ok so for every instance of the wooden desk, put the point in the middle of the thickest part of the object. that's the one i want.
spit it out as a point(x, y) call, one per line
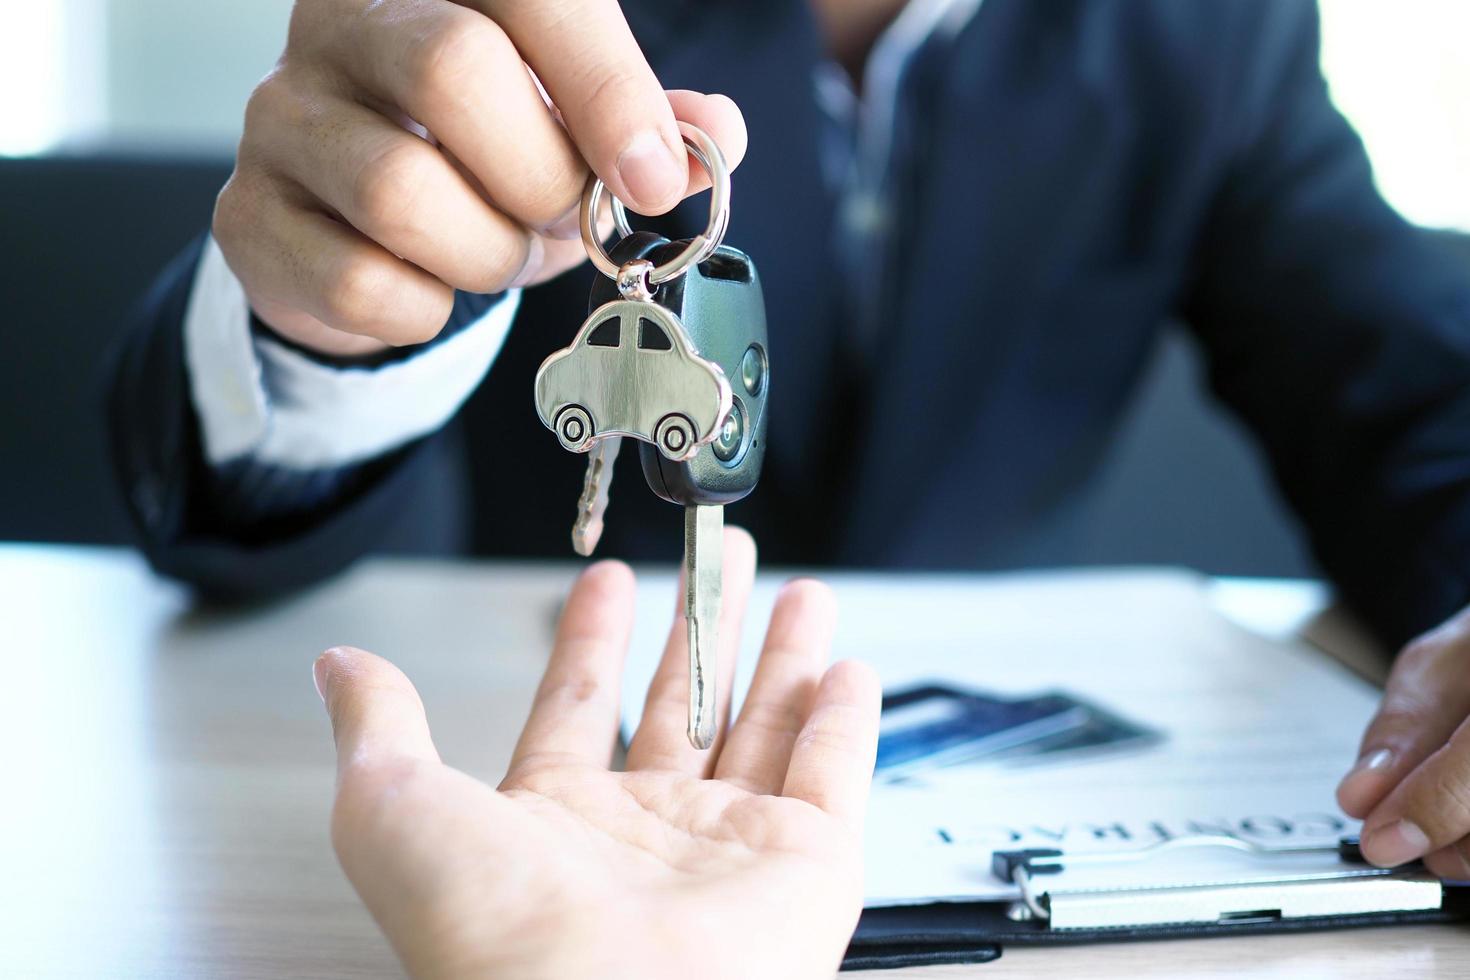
point(170, 773)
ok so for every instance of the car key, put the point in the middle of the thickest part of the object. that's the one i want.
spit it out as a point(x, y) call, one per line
point(720, 305)
point(592, 505)
point(654, 360)
point(704, 558)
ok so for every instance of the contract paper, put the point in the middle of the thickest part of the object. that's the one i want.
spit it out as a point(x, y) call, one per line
point(1256, 732)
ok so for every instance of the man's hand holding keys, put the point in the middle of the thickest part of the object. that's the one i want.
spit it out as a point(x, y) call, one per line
point(742, 861)
point(402, 149)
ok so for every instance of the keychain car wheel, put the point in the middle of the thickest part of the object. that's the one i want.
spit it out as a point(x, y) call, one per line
point(675, 437)
point(574, 429)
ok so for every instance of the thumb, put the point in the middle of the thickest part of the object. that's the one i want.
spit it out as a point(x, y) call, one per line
point(376, 714)
point(1428, 811)
point(1426, 698)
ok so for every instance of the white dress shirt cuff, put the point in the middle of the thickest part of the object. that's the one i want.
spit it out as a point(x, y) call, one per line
point(258, 398)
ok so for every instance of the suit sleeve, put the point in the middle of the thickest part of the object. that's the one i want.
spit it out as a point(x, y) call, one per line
point(247, 511)
point(1341, 335)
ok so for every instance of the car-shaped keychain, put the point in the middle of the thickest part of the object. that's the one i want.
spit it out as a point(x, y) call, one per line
point(631, 371)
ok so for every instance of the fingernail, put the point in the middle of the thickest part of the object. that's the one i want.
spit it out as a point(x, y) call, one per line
point(1371, 763)
point(535, 256)
point(319, 677)
point(568, 226)
point(1375, 761)
point(1396, 844)
point(649, 171)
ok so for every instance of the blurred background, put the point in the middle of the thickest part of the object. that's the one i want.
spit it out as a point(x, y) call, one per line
point(118, 119)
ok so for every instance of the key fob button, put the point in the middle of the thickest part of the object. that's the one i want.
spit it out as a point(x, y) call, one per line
point(753, 370)
point(731, 440)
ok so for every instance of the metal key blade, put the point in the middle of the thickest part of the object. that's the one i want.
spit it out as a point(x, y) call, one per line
point(592, 505)
point(704, 530)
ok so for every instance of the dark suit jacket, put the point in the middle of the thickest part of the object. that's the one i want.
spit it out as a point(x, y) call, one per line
point(1082, 172)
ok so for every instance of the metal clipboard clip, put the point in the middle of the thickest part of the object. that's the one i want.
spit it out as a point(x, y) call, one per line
point(1357, 889)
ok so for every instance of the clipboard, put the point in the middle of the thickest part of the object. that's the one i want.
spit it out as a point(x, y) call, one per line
point(1224, 825)
point(1355, 895)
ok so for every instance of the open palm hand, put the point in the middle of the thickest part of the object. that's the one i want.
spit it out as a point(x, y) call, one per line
point(741, 861)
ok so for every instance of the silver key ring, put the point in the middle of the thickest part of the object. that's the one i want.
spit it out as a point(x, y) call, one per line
point(699, 248)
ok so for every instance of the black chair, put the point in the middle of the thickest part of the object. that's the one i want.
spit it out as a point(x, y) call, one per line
point(82, 239)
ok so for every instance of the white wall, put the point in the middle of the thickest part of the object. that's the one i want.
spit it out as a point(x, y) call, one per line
point(157, 74)
point(52, 73)
point(174, 75)
point(179, 71)
point(1400, 71)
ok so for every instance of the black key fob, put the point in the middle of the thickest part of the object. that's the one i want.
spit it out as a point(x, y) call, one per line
point(720, 304)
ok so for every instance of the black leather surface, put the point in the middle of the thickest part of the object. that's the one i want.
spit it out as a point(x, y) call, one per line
point(977, 932)
point(893, 956)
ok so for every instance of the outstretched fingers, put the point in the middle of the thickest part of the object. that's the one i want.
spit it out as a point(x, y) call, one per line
point(832, 759)
point(797, 645)
point(574, 716)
